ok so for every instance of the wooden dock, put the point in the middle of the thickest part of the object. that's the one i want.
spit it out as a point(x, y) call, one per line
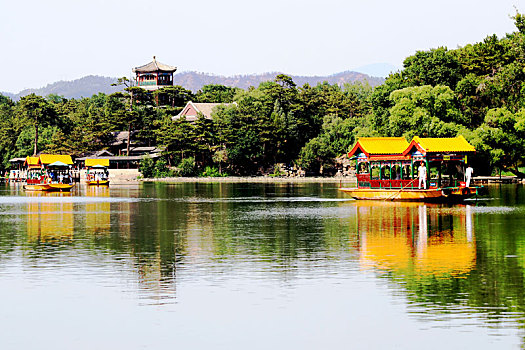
point(485, 180)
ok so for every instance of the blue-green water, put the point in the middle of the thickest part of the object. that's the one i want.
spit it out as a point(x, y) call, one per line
point(258, 266)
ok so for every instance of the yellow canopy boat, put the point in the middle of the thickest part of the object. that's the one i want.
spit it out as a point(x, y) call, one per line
point(97, 172)
point(49, 172)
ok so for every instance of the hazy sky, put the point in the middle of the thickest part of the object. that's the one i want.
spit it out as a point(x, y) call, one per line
point(43, 42)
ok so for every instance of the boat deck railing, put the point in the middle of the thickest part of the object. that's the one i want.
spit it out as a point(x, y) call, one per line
point(364, 181)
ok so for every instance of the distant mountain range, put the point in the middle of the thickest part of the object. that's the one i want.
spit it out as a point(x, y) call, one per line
point(92, 85)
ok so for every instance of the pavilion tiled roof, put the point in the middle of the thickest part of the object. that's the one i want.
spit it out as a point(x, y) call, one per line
point(154, 66)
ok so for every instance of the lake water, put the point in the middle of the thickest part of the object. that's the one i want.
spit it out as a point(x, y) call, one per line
point(258, 266)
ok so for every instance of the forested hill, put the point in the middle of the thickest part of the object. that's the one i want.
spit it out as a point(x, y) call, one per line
point(92, 85)
point(83, 87)
point(194, 81)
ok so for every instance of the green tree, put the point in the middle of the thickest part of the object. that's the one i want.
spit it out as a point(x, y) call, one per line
point(9, 130)
point(174, 96)
point(484, 58)
point(503, 134)
point(127, 117)
point(177, 138)
point(434, 67)
point(335, 139)
point(24, 142)
point(216, 93)
point(380, 103)
point(35, 111)
point(147, 167)
point(424, 111)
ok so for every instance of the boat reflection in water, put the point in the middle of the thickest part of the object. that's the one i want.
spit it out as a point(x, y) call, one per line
point(49, 217)
point(416, 240)
point(98, 213)
point(108, 230)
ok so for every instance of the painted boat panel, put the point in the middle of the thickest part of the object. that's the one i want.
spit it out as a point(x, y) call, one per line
point(61, 187)
point(98, 183)
point(394, 194)
point(49, 187)
point(455, 194)
point(36, 187)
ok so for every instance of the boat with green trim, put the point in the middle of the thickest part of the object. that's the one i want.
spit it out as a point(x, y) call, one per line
point(387, 169)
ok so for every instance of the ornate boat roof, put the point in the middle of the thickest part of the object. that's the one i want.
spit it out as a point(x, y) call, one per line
point(380, 146)
point(51, 158)
point(32, 161)
point(397, 148)
point(97, 162)
point(440, 145)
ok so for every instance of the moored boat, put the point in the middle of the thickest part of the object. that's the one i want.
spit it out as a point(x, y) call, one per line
point(386, 169)
point(49, 173)
point(97, 172)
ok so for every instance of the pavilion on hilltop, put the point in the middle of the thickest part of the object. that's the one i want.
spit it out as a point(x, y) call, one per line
point(154, 75)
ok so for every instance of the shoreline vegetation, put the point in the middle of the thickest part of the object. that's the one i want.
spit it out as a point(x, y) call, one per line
point(253, 179)
point(278, 128)
point(345, 180)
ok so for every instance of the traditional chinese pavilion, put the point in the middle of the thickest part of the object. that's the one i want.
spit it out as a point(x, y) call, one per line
point(154, 75)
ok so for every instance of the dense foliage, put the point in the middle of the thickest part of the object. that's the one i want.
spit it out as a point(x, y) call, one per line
point(477, 91)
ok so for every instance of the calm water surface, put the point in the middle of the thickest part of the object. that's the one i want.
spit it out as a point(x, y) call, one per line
point(258, 266)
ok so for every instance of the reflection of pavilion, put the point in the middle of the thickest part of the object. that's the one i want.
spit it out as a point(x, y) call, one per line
point(398, 237)
point(48, 221)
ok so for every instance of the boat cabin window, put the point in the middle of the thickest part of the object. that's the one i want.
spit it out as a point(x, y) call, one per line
point(407, 171)
point(362, 168)
point(375, 170)
point(385, 171)
point(396, 171)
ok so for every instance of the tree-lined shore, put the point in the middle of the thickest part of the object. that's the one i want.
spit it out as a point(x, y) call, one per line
point(477, 91)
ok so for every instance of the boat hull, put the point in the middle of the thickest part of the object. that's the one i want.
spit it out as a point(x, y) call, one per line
point(411, 195)
point(98, 183)
point(49, 187)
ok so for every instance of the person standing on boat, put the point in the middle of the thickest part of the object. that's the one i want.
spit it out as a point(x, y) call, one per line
point(468, 174)
point(422, 174)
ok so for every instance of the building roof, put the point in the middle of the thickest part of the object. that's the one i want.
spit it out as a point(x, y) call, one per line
point(192, 110)
point(103, 152)
point(151, 149)
point(121, 138)
point(440, 145)
point(51, 158)
point(379, 145)
point(98, 161)
point(154, 66)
